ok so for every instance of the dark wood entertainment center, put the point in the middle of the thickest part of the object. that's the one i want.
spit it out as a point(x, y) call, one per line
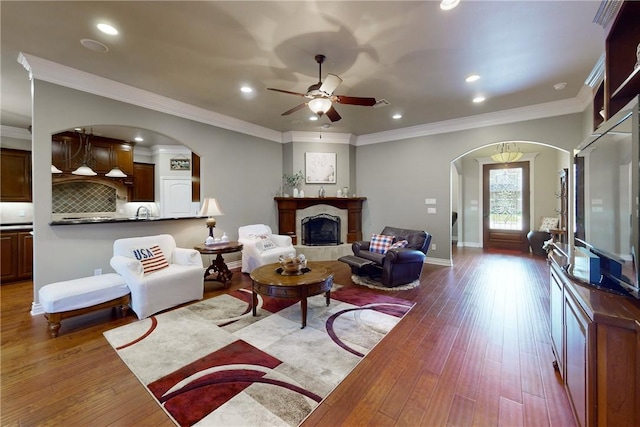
point(595, 334)
point(287, 207)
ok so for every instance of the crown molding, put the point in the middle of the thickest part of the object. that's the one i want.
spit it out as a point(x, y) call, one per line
point(14, 132)
point(325, 138)
point(62, 75)
point(42, 69)
point(532, 112)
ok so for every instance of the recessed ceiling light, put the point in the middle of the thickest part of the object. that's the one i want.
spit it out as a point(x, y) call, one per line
point(313, 118)
point(472, 78)
point(94, 45)
point(448, 4)
point(478, 99)
point(138, 139)
point(396, 116)
point(246, 89)
point(560, 86)
point(107, 29)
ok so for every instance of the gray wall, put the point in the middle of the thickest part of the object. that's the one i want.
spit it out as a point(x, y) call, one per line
point(397, 176)
point(243, 184)
point(244, 173)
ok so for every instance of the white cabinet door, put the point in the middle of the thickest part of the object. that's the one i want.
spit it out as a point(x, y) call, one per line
point(175, 199)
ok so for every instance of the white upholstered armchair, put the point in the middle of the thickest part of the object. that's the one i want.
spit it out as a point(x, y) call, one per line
point(261, 246)
point(159, 274)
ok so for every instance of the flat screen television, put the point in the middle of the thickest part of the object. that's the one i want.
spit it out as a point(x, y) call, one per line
point(607, 240)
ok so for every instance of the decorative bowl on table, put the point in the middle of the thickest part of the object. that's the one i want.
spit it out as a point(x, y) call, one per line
point(291, 265)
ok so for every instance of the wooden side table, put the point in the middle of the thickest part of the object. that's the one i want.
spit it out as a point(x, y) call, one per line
point(218, 267)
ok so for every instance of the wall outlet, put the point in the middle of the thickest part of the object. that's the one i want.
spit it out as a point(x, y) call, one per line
point(431, 210)
point(429, 201)
point(433, 246)
point(97, 272)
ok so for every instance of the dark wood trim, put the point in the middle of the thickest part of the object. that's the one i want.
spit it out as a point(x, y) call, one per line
point(287, 207)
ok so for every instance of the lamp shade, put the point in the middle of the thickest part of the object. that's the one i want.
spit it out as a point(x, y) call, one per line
point(84, 170)
point(54, 169)
point(210, 207)
point(319, 105)
point(116, 173)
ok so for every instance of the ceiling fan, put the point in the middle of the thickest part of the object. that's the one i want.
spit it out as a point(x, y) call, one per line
point(321, 97)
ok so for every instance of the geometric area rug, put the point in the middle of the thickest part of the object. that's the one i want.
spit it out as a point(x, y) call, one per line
point(213, 364)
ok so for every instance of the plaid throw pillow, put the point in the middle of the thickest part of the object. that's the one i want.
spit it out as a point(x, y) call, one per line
point(152, 259)
point(399, 244)
point(380, 243)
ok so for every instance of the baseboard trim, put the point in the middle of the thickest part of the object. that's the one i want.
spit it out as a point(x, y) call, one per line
point(36, 309)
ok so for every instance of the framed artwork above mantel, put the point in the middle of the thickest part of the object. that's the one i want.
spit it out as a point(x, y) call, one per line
point(320, 168)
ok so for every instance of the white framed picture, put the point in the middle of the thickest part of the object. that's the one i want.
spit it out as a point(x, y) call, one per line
point(320, 168)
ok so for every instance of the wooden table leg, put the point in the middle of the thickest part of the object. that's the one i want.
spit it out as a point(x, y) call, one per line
point(328, 297)
point(254, 300)
point(220, 267)
point(303, 305)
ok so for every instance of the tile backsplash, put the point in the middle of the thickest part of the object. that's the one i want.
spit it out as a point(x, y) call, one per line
point(83, 197)
point(87, 197)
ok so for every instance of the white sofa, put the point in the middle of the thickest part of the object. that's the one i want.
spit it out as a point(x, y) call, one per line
point(257, 250)
point(180, 282)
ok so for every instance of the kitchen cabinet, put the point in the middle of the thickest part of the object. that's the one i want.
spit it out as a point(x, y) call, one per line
point(16, 255)
point(143, 189)
point(15, 175)
point(67, 154)
point(596, 339)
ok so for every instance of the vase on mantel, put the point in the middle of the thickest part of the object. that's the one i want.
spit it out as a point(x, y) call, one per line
point(295, 192)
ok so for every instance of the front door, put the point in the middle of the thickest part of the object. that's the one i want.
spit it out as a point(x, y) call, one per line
point(506, 206)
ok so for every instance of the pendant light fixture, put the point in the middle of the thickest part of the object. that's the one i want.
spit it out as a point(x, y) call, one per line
point(507, 153)
point(116, 172)
point(84, 169)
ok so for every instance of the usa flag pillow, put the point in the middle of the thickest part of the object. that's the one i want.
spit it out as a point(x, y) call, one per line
point(152, 259)
point(380, 243)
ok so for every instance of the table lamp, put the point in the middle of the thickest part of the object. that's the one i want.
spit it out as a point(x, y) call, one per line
point(210, 208)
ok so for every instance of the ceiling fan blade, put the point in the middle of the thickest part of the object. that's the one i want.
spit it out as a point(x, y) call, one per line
point(330, 84)
point(286, 91)
point(294, 109)
point(333, 114)
point(355, 100)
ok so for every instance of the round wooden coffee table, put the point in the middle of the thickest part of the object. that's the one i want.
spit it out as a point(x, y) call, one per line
point(268, 281)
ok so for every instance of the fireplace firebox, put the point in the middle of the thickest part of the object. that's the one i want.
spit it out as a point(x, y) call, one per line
point(321, 230)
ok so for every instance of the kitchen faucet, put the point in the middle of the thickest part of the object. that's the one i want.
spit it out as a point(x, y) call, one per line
point(145, 212)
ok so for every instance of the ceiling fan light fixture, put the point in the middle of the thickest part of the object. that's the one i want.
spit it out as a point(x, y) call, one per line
point(319, 105)
point(313, 118)
point(448, 4)
point(54, 169)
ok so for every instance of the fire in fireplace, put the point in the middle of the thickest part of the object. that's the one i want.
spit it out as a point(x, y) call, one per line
point(321, 230)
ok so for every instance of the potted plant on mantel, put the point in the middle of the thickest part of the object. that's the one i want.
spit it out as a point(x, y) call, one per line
point(294, 181)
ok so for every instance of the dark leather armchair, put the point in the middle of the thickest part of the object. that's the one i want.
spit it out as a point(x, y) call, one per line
point(397, 266)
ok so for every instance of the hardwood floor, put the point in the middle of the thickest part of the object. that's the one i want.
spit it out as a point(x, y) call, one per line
point(475, 350)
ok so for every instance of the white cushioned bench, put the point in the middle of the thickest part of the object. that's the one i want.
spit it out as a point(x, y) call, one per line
point(62, 300)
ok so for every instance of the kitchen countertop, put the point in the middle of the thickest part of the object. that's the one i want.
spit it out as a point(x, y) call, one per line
point(105, 220)
point(16, 226)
